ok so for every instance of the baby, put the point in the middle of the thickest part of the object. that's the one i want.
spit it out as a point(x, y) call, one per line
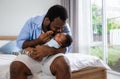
point(59, 40)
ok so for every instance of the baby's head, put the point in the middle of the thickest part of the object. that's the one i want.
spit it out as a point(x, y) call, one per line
point(63, 39)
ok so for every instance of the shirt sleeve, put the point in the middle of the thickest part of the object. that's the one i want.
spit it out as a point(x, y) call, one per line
point(67, 29)
point(24, 33)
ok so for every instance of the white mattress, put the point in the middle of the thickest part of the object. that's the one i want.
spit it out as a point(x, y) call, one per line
point(77, 62)
point(5, 61)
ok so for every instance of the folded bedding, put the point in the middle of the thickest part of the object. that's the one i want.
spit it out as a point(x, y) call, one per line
point(79, 61)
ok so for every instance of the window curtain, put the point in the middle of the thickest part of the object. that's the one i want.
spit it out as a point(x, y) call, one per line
point(79, 21)
point(66, 4)
point(71, 6)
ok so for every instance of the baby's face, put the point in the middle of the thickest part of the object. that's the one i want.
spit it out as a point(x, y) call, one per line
point(60, 37)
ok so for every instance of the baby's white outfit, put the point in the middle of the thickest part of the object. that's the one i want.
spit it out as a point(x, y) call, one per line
point(52, 43)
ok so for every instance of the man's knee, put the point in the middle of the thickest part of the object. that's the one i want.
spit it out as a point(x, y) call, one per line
point(60, 64)
point(17, 67)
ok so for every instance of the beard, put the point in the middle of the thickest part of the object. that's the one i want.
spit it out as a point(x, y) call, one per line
point(48, 29)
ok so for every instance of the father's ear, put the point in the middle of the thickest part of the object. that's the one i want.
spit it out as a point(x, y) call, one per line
point(46, 21)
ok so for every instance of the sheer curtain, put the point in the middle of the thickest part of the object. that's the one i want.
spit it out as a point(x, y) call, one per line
point(79, 20)
point(74, 24)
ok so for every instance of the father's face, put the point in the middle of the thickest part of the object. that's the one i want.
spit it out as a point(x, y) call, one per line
point(57, 25)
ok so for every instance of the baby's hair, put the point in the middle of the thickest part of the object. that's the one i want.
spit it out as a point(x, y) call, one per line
point(68, 40)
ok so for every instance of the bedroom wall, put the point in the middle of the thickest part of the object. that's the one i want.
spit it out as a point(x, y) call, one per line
point(14, 13)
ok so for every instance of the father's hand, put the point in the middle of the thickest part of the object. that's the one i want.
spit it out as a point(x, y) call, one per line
point(38, 53)
point(45, 37)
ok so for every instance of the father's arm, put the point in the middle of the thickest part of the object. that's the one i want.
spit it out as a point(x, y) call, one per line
point(41, 51)
point(50, 50)
point(43, 38)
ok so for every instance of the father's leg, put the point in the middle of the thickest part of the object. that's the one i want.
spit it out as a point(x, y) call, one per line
point(60, 68)
point(18, 70)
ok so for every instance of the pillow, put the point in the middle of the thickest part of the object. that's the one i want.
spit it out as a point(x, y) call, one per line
point(9, 48)
point(79, 61)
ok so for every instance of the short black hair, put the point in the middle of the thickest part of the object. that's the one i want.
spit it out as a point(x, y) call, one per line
point(57, 11)
point(68, 41)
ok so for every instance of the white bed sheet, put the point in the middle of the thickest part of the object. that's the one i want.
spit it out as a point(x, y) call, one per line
point(77, 62)
point(5, 60)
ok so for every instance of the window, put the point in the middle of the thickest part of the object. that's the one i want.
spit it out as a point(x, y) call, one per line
point(105, 33)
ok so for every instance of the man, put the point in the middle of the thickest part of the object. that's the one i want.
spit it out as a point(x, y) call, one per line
point(33, 35)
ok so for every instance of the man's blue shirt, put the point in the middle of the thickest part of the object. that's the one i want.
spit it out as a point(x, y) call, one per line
point(32, 30)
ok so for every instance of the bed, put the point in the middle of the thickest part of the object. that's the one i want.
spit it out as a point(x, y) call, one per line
point(82, 66)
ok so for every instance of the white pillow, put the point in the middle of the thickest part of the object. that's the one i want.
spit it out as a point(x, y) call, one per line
point(79, 61)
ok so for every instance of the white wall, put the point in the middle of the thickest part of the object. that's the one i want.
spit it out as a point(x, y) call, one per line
point(14, 13)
